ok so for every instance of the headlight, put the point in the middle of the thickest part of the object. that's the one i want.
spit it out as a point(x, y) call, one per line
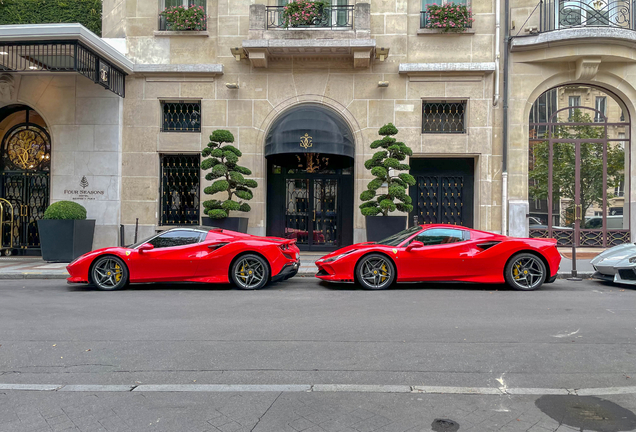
point(332, 259)
point(632, 260)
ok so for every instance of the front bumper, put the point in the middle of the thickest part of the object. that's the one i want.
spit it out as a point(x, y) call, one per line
point(289, 270)
point(626, 276)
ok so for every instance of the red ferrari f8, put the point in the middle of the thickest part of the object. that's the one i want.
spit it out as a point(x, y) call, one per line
point(198, 254)
point(444, 253)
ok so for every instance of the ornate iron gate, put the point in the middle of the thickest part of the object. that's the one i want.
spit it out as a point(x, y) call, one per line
point(26, 159)
point(573, 165)
point(180, 180)
point(439, 199)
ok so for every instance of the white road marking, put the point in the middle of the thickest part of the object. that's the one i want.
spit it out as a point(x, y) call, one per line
point(331, 388)
point(566, 334)
point(358, 388)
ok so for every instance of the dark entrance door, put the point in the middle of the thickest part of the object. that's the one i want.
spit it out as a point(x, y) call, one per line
point(443, 192)
point(24, 182)
point(310, 201)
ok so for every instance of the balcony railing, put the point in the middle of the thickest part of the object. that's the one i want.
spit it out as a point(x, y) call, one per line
point(425, 19)
point(335, 17)
point(562, 14)
point(164, 26)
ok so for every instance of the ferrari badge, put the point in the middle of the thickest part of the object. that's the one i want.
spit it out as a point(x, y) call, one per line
point(127, 253)
point(395, 251)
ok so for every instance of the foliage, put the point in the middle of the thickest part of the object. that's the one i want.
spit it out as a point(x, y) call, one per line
point(303, 12)
point(564, 165)
point(179, 18)
point(449, 17)
point(86, 12)
point(222, 161)
point(384, 165)
point(65, 210)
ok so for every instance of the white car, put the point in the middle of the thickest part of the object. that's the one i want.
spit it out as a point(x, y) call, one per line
point(617, 264)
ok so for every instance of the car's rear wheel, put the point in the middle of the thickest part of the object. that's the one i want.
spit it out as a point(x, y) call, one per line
point(375, 271)
point(525, 272)
point(250, 272)
point(109, 273)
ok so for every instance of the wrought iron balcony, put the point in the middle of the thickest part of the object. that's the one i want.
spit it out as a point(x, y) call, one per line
point(425, 20)
point(334, 17)
point(564, 14)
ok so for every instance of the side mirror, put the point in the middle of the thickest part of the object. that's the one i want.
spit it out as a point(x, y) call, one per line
point(145, 247)
point(414, 245)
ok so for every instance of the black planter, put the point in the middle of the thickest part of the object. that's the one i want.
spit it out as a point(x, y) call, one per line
point(380, 227)
point(238, 224)
point(65, 240)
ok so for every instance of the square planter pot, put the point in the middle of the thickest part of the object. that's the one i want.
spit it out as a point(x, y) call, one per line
point(238, 224)
point(380, 227)
point(65, 240)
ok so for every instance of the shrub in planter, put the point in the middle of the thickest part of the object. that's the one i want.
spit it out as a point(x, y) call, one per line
point(449, 17)
point(303, 12)
point(179, 18)
point(222, 162)
point(384, 165)
point(65, 233)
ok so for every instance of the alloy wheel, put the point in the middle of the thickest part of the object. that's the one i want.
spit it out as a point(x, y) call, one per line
point(249, 273)
point(527, 272)
point(376, 272)
point(109, 274)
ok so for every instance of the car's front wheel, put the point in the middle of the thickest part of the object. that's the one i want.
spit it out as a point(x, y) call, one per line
point(109, 273)
point(375, 271)
point(525, 272)
point(250, 272)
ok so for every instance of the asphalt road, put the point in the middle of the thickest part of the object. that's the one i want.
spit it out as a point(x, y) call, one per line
point(447, 340)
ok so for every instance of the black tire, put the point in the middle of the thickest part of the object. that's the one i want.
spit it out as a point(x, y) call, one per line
point(109, 273)
point(250, 272)
point(525, 272)
point(375, 272)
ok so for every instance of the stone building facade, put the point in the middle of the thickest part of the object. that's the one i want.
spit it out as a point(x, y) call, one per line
point(366, 64)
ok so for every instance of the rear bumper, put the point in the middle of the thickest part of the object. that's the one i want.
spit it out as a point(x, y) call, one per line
point(289, 270)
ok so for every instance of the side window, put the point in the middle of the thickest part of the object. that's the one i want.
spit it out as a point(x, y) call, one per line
point(176, 238)
point(439, 236)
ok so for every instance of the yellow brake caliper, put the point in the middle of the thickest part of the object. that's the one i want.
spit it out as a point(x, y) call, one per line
point(117, 273)
point(515, 271)
point(243, 275)
point(384, 272)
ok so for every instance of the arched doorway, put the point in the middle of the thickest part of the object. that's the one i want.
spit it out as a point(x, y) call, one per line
point(25, 163)
point(310, 154)
point(578, 170)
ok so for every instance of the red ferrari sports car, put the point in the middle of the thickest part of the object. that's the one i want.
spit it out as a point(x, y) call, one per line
point(445, 253)
point(198, 254)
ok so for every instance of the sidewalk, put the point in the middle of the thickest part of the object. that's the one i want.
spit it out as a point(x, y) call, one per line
point(36, 268)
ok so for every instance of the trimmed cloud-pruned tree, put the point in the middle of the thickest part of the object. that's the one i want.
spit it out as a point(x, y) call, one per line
point(222, 161)
point(384, 165)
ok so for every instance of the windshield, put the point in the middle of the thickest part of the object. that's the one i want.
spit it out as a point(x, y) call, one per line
point(136, 245)
point(398, 238)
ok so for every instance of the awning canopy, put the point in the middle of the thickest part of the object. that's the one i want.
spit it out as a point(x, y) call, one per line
point(310, 129)
point(41, 48)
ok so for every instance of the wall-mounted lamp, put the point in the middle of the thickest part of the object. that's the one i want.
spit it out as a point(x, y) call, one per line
point(238, 53)
point(232, 85)
point(383, 83)
point(381, 53)
point(4, 53)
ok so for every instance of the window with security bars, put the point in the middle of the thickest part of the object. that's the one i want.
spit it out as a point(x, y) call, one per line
point(181, 116)
point(180, 184)
point(444, 117)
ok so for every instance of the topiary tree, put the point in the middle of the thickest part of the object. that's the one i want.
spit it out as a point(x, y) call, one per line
point(65, 210)
point(384, 166)
point(222, 161)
